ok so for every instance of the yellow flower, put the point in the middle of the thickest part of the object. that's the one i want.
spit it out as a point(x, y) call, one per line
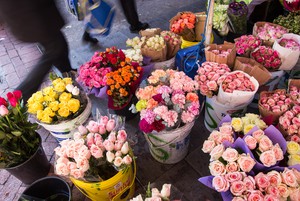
point(64, 112)
point(252, 117)
point(237, 124)
point(54, 106)
point(246, 120)
point(46, 119)
point(67, 80)
point(60, 87)
point(73, 105)
point(53, 94)
point(47, 90)
point(38, 97)
point(34, 107)
point(260, 123)
point(65, 97)
point(49, 112)
point(248, 127)
point(62, 104)
point(294, 160)
point(48, 98)
point(140, 105)
point(56, 81)
point(293, 147)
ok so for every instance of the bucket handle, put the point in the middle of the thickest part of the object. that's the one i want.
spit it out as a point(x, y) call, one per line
point(158, 139)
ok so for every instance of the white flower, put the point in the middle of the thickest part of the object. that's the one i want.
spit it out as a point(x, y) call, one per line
point(118, 161)
point(137, 198)
point(166, 190)
point(125, 148)
point(110, 156)
point(75, 91)
point(69, 87)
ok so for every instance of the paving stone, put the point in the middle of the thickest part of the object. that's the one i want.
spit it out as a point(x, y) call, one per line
point(12, 79)
point(31, 56)
point(4, 175)
point(9, 46)
point(19, 193)
point(22, 72)
point(8, 68)
point(9, 190)
point(3, 83)
point(12, 53)
point(17, 62)
point(4, 59)
point(49, 147)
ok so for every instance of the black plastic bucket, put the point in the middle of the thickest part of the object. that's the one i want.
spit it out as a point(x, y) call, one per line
point(47, 188)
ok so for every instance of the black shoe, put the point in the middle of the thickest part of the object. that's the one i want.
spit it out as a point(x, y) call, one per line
point(86, 37)
point(141, 26)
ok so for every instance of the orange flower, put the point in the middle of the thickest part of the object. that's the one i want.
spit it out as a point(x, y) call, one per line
point(192, 97)
point(109, 92)
point(127, 60)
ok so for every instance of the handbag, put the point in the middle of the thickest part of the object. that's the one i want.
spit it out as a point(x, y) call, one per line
point(100, 17)
point(189, 59)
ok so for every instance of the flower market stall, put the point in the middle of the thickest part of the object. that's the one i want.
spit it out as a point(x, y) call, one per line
point(169, 97)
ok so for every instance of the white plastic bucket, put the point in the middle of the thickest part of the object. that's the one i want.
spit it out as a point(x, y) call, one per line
point(271, 85)
point(215, 111)
point(170, 147)
point(65, 129)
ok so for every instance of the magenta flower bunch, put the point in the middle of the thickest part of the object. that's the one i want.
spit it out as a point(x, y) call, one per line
point(270, 32)
point(290, 43)
point(278, 101)
point(222, 53)
point(246, 43)
point(294, 94)
point(268, 57)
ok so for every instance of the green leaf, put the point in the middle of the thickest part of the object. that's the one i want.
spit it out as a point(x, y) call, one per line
point(16, 133)
point(2, 135)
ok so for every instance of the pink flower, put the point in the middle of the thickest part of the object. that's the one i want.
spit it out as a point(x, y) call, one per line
point(110, 125)
point(251, 142)
point(109, 145)
point(258, 134)
point(268, 158)
point(237, 188)
point(283, 190)
point(110, 156)
point(171, 118)
point(289, 178)
point(127, 160)
point(93, 127)
point(122, 135)
point(3, 110)
point(232, 167)
point(102, 129)
point(82, 130)
point(230, 155)
point(274, 178)
point(255, 195)
point(187, 117)
point(118, 145)
point(270, 197)
point(77, 173)
point(249, 183)
point(265, 144)
point(217, 152)
point(278, 152)
point(220, 184)
point(179, 99)
point(82, 164)
point(104, 120)
point(246, 163)
point(208, 145)
point(112, 137)
point(118, 161)
point(262, 180)
point(71, 166)
point(125, 148)
point(62, 169)
point(96, 151)
point(233, 176)
point(273, 190)
point(217, 168)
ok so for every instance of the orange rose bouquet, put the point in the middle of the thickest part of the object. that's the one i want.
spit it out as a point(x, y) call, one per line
point(122, 84)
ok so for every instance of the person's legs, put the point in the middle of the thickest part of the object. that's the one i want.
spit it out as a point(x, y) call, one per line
point(56, 52)
point(130, 12)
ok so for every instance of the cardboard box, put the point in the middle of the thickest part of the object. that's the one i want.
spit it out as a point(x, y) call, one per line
point(200, 24)
point(229, 60)
point(258, 71)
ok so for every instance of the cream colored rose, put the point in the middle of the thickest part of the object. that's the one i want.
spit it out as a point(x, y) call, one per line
point(293, 160)
point(217, 152)
point(230, 155)
point(293, 147)
point(208, 146)
point(268, 158)
point(237, 124)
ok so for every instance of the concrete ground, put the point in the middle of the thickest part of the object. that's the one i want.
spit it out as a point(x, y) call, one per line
point(16, 59)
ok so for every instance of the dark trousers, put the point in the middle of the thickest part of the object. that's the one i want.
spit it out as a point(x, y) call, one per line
point(55, 53)
point(130, 12)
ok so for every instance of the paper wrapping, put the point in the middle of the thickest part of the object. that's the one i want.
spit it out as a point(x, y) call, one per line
point(288, 57)
point(229, 60)
point(200, 24)
point(172, 49)
point(267, 113)
point(187, 34)
point(260, 24)
point(237, 98)
point(154, 54)
point(258, 71)
point(150, 32)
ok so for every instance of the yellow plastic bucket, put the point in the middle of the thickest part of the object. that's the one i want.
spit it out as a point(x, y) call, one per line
point(186, 43)
point(118, 188)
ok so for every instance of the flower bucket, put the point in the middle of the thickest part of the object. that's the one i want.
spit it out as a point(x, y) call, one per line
point(271, 85)
point(36, 167)
point(48, 188)
point(215, 112)
point(65, 130)
point(118, 188)
point(170, 147)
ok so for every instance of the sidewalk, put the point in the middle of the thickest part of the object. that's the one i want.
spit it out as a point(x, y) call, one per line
point(16, 59)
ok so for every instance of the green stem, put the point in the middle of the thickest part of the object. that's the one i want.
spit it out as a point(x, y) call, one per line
point(8, 121)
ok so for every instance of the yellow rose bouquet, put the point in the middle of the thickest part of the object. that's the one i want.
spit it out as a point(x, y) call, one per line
point(61, 104)
point(246, 123)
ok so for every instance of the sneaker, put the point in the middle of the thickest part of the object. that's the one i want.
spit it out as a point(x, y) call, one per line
point(86, 37)
point(141, 26)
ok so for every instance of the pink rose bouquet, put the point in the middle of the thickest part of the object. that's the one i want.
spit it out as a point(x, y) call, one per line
point(294, 94)
point(267, 147)
point(209, 75)
point(97, 152)
point(270, 32)
point(237, 81)
point(268, 57)
point(272, 104)
point(222, 53)
point(155, 194)
point(290, 43)
point(246, 43)
point(289, 123)
point(169, 100)
point(217, 137)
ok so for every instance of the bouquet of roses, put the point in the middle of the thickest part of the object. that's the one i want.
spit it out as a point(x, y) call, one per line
point(98, 151)
point(293, 150)
point(136, 42)
point(268, 57)
point(246, 123)
point(289, 123)
point(122, 84)
point(217, 137)
point(169, 100)
point(60, 101)
point(135, 55)
point(290, 43)
point(209, 76)
point(268, 32)
point(155, 194)
point(273, 104)
point(294, 93)
point(173, 42)
point(183, 24)
point(246, 43)
point(237, 88)
point(155, 47)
